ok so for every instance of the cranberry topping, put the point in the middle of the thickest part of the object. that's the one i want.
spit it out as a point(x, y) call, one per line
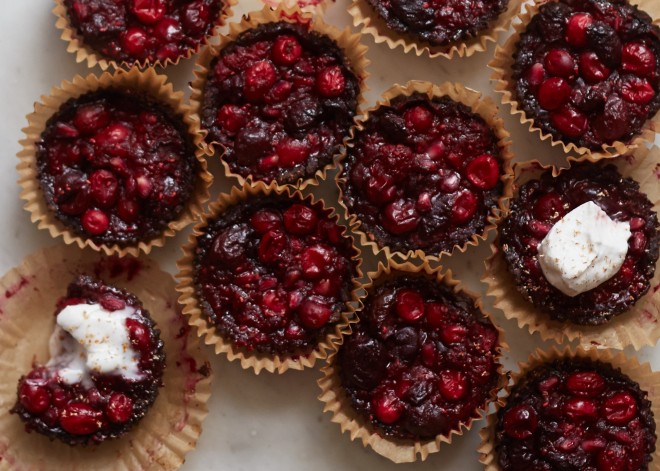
point(588, 71)
point(280, 99)
point(106, 406)
point(545, 425)
point(138, 30)
point(422, 360)
point(541, 203)
point(423, 174)
point(274, 273)
point(439, 23)
point(125, 173)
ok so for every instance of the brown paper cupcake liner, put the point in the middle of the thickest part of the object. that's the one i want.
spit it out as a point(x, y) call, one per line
point(502, 64)
point(638, 326)
point(648, 380)
point(84, 53)
point(147, 82)
point(484, 107)
point(171, 426)
point(312, 6)
point(348, 42)
point(366, 18)
point(339, 404)
point(196, 318)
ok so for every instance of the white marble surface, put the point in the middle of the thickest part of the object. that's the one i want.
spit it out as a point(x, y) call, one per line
point(266, 421)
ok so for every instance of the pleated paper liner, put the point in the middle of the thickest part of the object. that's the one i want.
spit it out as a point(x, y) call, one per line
point(482, 106)
point(317, 7)
point(337, 402)
point(147, 82)
point(171, 426)
point(85, 53)
point(503, 83)
point(648, 380)
point(348, 42)
point(637, 327)
point(255, 360)
point(368, 20)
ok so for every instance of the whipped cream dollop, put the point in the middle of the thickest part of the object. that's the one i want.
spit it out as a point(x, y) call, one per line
point(90, 339)
point(583, 250)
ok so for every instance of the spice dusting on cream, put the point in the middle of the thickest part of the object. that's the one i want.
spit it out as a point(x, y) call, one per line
point(583, 250)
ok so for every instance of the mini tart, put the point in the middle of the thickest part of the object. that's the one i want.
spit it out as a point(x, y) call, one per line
point(138, 32)
point(267, 276)
point(279, 95)
point(585, 75)
point(113, 163)
point(427, 171)
point(578, 410)
point(79, 413)
point(607, 324)
point(421, 364)
point(172, 424)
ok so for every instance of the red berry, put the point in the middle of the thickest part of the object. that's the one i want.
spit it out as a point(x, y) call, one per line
point(639, 59)
point(400, 217)
point(613, 458)
point(259, 77)
point(272, 245)
point(536, 76)
point(419, 118)
point(549, 207)
point(292, 152)
point(33, 397)
point(143, 186)
point(409, 305)
point(560, 63)
point(168, 51)
point(134, 41)
point(592, 69)
point(464, 207)
point(95, 222)
point(119, 408)
point(380, 187)
point(231, 118)
point(585, 384)
point(581, 409)
point(139, 335)
point(272, 304)
point(538, 229)
point(554, 93)
point(148, 11)
point(436, 314)
point(576, 29)
point(453, 384)
point(79, 418)
point(388, 408)
point(620, 408)
point(279, 92)
point(113, 139)
point(637, 243)
point(300, 219)
point(330, 82)
point(265, 219)
point(196, 17)
point(111, 303)
point(315, 261)
point(637, 90)
point(91, 118)
point(168, 30)
point(569, 121)
point(104, 187)
point(452, 334)
point(520, 422)
point(637, 223)
point(314, 314)
point(286, 50)
point(483, 172)
point(128, 210)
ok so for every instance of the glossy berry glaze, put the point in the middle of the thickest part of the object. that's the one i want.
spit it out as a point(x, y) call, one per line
point(587, 71)
point(80, 415)
point(541, 203)
point(139, 30)
point(423, 174)
point(439, 22)
point(280, 100)
point(116, 167)
point(274, 273)
point(422, 360)
point(575, 415)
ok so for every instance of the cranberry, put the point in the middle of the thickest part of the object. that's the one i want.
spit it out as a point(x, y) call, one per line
point(435, 314)
point(314, 314)
point(636, 90)
point(265, 220)
point(388, 408)
point(592, 69)
point(637, 223)
point(135, 40)
point(79, 418)
point(560, 63)
point(91, 118)
point(554, 93)
point(128, 210)
point(300, 219)
point(536, 76)
point(581, 409)
point(286, 50)
point(483, 172)
point(620, 408)
point(33, 397)
point(95, 222)
point(538, 229)
point(639, 59)
point(292, 152)
point(569, 121)
point(464, 207)
point(196, 16)
point(453, 384)
point(453, 334)
point(637, 243)
point(380, 188)
point(419, 118)
point(169, 30)
point(258, 79)
point(112, 137)
point(168, 51)
point(585, 384)
point(111, 302)
point(520, 422)
point(104, 187)
point(400, 217)
point(330, 82)
point(232, 118)
point(272, 245)
point(119, 408)
point(576, 29)
point(409, 305)
point(613, 458)
point(549, 207)
point(315, 261)
point(139, 334)
point(148, 11)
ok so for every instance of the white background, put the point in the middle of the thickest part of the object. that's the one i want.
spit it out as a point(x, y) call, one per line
point(266, 421)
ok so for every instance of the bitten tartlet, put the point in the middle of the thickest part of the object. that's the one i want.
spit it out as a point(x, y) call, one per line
point(575, 414)
point(581, 246)
point(279, 98)
point(587, 72)
point(105, 369)
point(425, 173)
